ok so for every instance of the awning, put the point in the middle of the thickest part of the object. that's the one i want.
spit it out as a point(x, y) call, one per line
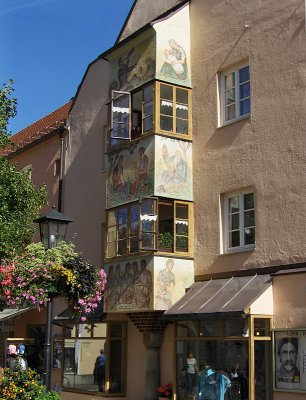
point(8, 313)
point(220, 297)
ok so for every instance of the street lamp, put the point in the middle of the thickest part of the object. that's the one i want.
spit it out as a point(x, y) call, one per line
point(53, 229)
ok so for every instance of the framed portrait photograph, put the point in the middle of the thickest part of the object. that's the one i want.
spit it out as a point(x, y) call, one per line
point(289, 360)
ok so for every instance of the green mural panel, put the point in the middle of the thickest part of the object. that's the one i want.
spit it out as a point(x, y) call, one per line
point(131, 173)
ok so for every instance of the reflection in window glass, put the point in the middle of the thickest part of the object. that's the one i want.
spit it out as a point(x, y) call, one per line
point(210, 327)
point(236, 327)
point(186, 329)
point(262, 375)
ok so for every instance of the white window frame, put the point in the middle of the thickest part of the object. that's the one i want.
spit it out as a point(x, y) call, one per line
point(238, 116)
point(28, 169)
point(226, 220)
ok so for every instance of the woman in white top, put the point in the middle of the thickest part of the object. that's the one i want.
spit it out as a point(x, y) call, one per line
point(192, 371)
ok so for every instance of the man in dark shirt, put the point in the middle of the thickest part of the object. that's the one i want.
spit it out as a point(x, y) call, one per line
point(99, 371)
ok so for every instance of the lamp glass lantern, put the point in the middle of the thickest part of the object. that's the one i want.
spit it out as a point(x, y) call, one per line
point(53, 228)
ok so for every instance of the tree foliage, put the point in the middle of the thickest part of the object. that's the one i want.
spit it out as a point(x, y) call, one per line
point(20, 201)
point(8, 109)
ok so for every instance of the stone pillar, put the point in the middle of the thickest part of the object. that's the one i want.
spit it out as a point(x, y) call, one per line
point(152, 341)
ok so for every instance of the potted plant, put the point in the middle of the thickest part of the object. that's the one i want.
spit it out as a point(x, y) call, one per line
point(165, 391)
point(165, 241)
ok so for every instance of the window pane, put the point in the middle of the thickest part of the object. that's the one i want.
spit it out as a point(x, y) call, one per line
point(230, 112)
point(147, 124)
point(111, 234)
point(182, 243)
point(233, 204)
point(186, 328)
point(230, 81)
point(262, 371)
point(111, 249)
point(245, 107)
point(181, 211)
point(244, 74)
point(210, 327)
point(166, 92)
point(120, 131)
point(122, 232)
point(166, 107)
point(248, 200)
point(134, 228)
point(249, 219)
point(122, 247)
point(182, 126)
point(181, 228)
point(182, 96)
point(147, 240)
point(134, 245)
point(111, 218)
point(261, 327)
point(229, 97)
point(244, 90)
point(115, 329)
point(116, 368)
point(236, 327)
point(148, 93)
point(122, 216)
point(249, 236)
point(181, 111)
point(148, 206)
point(166, 123)
point(234, 221)
point(148, 108)
point(134, 210)
point(234, 239)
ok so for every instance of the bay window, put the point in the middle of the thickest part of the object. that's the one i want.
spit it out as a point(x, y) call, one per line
point(152, 224)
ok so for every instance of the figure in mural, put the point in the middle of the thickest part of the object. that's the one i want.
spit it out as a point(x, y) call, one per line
point(175, 64)
point(141, 171)
point(175, 172)
point(164, 286)
point(287, 351)
point(143, 286)
point(150, 72)
point(124, 69)
point(117, 177)
point(127, 286)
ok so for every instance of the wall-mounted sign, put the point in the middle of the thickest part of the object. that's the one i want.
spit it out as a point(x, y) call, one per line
point(290, 360)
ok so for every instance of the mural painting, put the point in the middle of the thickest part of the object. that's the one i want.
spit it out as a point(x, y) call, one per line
point(171, 277)
point(134, 66)
point(129, 285)
point(173, 168)
point(173, 48)
point(131, 173)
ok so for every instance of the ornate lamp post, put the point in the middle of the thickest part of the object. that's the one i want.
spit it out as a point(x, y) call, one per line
point(53, 229)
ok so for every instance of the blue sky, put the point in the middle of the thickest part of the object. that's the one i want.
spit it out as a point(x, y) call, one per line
point(46, 45)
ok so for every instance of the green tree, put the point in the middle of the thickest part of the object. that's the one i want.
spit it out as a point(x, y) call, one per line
point(20, 201)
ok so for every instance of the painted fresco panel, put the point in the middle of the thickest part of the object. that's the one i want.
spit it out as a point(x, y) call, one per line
point(129, 285)
point(131, 173)
point(173, 48)
point(133, 65)
point(171, 277)
point(173, 168)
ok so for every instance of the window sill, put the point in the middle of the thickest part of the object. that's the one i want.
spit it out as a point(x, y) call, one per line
point(234, 121)
point(239, 250)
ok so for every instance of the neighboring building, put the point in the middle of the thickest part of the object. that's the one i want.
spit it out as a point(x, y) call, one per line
point(198, 110)
point(38, 149)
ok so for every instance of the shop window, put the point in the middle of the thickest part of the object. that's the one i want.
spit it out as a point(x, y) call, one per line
point(98, 348)
point(149, 225)
point(159, 107)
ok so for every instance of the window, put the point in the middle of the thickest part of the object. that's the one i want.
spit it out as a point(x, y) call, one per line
point(83, 343)
point(149, 225)
point(239, 221)
point(173, 109)
point(235, 96)
point(28, 169)
point(155, 107)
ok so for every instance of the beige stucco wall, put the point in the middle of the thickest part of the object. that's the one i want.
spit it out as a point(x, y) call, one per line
point(265, 151)
point(41, 157)
point(84, 182)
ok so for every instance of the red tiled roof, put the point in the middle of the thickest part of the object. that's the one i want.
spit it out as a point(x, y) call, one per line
point(40, 128)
